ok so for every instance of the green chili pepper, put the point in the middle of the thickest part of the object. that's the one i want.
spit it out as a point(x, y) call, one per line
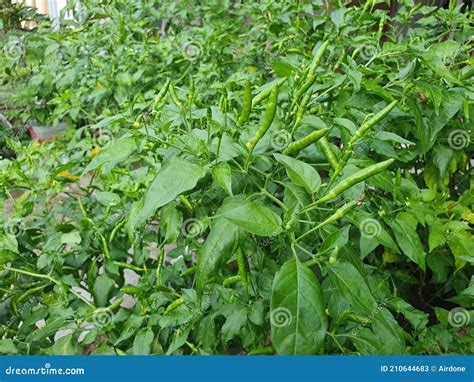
point(131, 290)
point(189, 271)
point(231, 280)
point(174, 97)
point(262, 351)
point(246, 105)
point(370, 123)
point(161, 94)
point(241, 263)
point(267, 120)
point(301, 110)
point(175, 304)
point(333, 256)
point(381, 25)
point(317, 58)
point(326, 148)
point(339, 214)
point(311, 76)
point(265, 93)
point(302, 143)
point(347, 183)
point(339, 61)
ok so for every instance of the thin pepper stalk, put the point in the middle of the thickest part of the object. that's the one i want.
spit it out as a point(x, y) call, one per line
point(339, 214)
point(350, 181)
point(219, 142)
point(191, 95)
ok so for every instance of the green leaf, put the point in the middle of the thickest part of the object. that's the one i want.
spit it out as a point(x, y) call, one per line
point(301, 173)
point(283, 69)
point(102, 290)
point(175, 177)
point(71, 238)
point(386, 336)
point(388, 136)
point(171, 221)
point(66, 345)
point(119, 151)
point(298, 318)
point(417, 318)
point(462, 245)
point(143, 341)
point(8, 347)
point(222, 174)
point(107, 198)
point(234, 323)
point(404, 228)
point(254, 218)
point(353, 286)
point(217, 249)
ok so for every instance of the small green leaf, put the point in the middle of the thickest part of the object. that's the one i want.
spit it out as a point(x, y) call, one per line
point(119, 151)
point(222, 174)
point(8, 347)
point(301, 173)
point(254, 218)
point(404, 228)
point(175, 177)
point(143, 341)
point(102, 290)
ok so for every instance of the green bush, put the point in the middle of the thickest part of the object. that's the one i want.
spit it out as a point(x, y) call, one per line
point(207, 205)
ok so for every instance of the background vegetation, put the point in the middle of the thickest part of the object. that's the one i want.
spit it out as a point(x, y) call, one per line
point(177, 215)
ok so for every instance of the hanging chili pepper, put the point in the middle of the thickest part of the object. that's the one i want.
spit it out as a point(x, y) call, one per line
point(246, 105)
point(347, 183)
point(302, 143)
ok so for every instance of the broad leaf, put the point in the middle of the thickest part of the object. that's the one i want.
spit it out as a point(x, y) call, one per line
point(175, 177)
point(404, 228)
point(298, 318)
point(119, 151)
point(218, 247)
point(222, 174)
point(301, 173)
point(254, 217)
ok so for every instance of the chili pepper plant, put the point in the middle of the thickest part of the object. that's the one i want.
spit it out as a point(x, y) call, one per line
point(323, 206)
